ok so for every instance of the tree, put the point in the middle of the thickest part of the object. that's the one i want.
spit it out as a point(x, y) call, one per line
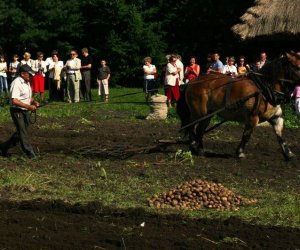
point(199, 27)
point(33, 25)
point(123, 33)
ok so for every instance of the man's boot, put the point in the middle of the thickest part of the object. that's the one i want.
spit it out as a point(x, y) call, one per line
point(5, 146)
point(4, 149)
point(31, 155)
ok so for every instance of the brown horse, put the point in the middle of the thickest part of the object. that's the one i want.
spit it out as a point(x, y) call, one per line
point(250, 100)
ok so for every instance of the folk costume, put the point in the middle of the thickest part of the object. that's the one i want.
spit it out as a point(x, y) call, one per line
point(38, 81)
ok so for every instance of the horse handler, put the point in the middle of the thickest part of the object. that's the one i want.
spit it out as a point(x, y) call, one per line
point(21, 102)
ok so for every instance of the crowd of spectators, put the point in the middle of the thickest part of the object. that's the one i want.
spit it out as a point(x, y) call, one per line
point(70, 80)
point(174, 74)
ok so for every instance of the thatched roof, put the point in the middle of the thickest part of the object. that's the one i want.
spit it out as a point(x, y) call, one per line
point(269, 17)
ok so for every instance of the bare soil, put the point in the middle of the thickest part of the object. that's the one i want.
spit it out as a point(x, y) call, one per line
point(42, 224)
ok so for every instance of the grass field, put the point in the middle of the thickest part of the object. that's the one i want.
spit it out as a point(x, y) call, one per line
point(128, 183)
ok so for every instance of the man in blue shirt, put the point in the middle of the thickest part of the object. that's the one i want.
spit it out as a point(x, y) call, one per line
point(216, 65)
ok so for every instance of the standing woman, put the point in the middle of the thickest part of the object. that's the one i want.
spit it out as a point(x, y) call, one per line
point(172, 81)
point(242, 67)
point(3, 78)
point(180, 66)
point(26, 60)
point(56, 90)
point(230, 68)
point(192, 71)
point(13, 66)
point(149, 78)
point(38, 81)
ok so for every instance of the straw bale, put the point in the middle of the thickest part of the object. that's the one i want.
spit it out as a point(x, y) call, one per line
point(158, 108)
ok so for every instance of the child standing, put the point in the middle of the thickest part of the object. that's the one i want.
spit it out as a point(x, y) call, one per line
point(296, 96)
point(102, 79)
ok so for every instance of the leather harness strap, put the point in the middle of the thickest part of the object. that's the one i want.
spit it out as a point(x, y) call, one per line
point(228, 93)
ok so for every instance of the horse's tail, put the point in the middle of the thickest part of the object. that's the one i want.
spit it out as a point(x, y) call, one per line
point(183, 108)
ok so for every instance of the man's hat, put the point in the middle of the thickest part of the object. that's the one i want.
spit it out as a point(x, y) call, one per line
point(26, 68)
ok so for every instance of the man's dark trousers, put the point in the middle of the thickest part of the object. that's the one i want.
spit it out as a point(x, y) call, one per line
point(21, 120)
point(86, 85)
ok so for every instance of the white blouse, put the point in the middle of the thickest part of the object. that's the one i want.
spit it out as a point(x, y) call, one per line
point(52, 65)
point(36, 65)
point(229, 69)
point(3, 69)
point(150, 68)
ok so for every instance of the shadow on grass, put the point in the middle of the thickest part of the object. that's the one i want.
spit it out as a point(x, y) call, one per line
point(210, 154)
point(141, 117)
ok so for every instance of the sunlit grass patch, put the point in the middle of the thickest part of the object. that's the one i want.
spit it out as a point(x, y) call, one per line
point(53, 125)
point(84, 121)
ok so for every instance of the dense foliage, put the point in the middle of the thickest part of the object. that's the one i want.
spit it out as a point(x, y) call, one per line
point(122, 31)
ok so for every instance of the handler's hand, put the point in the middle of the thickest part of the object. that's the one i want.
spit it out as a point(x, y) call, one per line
point(32, 107)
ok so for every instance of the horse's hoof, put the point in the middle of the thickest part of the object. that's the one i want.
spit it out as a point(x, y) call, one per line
point(194, 148)
point(290, 155)
point(201, 152)
point(197, 151)
point(241, 155)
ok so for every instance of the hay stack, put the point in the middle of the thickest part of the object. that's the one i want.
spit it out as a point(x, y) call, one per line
point(270, 17)
point(158, 108)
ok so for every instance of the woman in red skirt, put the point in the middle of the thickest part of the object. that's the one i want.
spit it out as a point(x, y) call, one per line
point(38, 81)
point(172, 81)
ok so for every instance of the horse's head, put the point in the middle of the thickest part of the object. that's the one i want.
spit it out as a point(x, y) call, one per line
point(294, 66)
point(280, 77)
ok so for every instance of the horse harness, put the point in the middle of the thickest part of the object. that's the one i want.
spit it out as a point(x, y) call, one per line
point(228, 106)
point(32, 116)
point(263, 91)
point(266, 90)
point(274, 97)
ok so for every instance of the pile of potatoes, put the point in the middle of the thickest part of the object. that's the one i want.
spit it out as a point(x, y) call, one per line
point(199, 194)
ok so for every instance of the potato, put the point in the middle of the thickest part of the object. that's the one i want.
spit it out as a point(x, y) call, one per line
point(197, 194)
